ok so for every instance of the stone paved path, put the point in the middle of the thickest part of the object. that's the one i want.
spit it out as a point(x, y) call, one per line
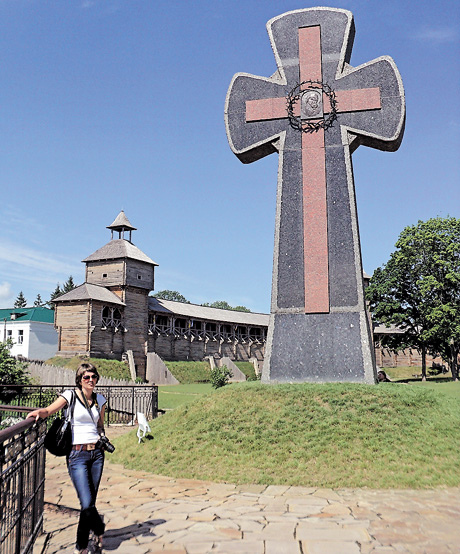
point(146, 514)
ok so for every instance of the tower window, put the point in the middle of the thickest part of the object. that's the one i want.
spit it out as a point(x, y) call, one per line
point(104, 275)
point(139, 276)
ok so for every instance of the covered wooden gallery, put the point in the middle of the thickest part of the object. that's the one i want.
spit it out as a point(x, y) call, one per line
point(112, 315)
point(179, 331)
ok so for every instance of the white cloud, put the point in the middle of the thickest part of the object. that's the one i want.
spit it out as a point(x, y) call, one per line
point(437, 34)
point(25, 266)
point(6, 294)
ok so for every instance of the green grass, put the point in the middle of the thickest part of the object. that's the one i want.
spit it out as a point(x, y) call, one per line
point(248, 369)
point(190, 372)
point(172, 396)
point(331, 435)
point(113, 369)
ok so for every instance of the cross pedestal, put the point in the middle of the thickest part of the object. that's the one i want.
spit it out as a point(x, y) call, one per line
point(315, 111)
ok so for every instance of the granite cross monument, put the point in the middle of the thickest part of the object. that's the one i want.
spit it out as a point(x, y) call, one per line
point(315, 111)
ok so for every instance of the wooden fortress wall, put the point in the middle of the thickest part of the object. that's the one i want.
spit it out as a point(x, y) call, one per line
point(408, 357)
point(187, 348)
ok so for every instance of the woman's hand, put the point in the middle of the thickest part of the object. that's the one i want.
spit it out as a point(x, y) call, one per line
point(40, 413)
point(49, 410)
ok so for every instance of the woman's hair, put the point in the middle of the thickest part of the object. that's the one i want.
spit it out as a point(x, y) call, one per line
point(83, 368)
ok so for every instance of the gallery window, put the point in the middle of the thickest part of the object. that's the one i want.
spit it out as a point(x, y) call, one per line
point(111, 317)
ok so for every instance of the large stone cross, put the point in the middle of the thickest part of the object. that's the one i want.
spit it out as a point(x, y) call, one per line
point(315, 111)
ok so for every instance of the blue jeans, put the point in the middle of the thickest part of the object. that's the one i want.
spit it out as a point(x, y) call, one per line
point(85, 470)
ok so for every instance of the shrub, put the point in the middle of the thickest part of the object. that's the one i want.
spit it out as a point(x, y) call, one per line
point(220, 376)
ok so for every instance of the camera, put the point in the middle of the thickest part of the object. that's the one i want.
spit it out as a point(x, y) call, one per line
point(104, 444)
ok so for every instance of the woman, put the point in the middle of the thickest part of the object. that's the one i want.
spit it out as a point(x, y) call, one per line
point(86, 459)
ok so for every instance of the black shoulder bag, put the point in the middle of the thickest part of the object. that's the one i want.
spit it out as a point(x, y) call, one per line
point(58, 439)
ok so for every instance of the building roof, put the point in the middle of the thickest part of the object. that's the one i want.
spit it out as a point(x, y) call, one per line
point(119, 249)
point(384, 330)
point(205, 312)
point(39, 313)
point(90, 292)
point(121, 222)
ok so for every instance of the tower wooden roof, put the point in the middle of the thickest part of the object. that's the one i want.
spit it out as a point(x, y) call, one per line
point(88, 291)
point(117, 249)
point(121, 223)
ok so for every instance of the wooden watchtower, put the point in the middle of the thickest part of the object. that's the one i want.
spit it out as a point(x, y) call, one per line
point(108, 314)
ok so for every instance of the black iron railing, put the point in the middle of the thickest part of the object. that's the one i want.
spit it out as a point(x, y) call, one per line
point(22, 485)
point(123, 402)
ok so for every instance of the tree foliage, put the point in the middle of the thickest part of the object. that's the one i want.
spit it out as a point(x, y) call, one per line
point(224, 305)
point(68, 285)
point(418, 291)
point(57, 292)
point(38, 301)
point(171, 295)
point(12, 371)
point(20, 301)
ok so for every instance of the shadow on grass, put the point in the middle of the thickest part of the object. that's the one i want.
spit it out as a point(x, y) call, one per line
point(429, 380)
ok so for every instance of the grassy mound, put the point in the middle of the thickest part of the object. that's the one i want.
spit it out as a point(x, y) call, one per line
point(190, 372)
point(331, 435)
point(113, 369)
point(248, 369)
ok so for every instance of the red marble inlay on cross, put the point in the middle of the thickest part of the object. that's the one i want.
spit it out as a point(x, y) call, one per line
point(316, 263)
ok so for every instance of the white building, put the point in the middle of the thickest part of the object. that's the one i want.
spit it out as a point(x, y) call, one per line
point(31, 330)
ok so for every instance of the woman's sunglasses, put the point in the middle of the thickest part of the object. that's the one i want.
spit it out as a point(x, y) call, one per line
point(88, 377)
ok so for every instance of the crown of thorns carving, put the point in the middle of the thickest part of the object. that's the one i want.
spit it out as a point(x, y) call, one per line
point(305, 125)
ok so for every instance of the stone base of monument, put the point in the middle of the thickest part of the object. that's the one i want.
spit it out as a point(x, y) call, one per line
point(318, 348)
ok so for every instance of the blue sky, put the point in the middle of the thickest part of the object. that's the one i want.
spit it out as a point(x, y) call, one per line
point(118, 104)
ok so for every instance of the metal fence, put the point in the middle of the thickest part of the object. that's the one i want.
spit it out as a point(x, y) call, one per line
point(123, 402)
point(22, 485)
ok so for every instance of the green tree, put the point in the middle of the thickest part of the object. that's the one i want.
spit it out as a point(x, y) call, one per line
point(171, 295)
point(57, 292)
point(38, 301)
point(20, 301)
point(224, 305)
point(418, 291)
point(12, 372)
point(241, 309)
point(68, 285)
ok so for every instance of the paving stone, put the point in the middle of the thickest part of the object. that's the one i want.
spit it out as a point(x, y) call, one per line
point(240, 547)
point(282, 547)
point(275, 490)
point(351, 534)
point(173, 525)
point(199, 547)
point(336, 509)
point(330, 547)
point(328, 494)
point(201, 528)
